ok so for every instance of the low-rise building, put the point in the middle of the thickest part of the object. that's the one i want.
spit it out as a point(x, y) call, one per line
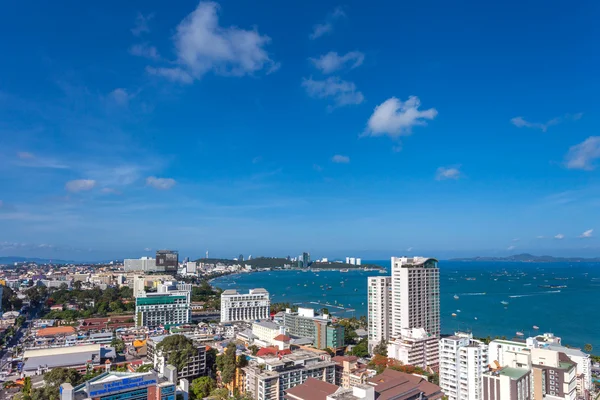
point(507, 383)
point(349, 372)
point(320, 328)
point(391, 384)
point(194, 367)
point(553, 375)
point(415, 347)
point(81, 358)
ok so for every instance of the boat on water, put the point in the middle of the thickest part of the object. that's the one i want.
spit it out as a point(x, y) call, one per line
point(454, 314)
point(344, 270)
point(457, 310)
point(536, 327)
point(356, 290)
point(520, 334)
point(475, 318)
point(456, 297)
point(504, 302)
point(381, 271)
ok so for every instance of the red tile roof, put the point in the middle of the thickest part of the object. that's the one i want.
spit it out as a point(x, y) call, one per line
point(311, 389)
point(282, 338)
point(390, 384)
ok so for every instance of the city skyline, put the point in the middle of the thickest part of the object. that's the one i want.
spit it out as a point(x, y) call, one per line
point(278, 128)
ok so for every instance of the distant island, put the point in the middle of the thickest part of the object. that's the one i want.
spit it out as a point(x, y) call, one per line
point(284, 263)
point(525, 257)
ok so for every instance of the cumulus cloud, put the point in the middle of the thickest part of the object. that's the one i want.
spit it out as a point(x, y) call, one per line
point(326, 26)
point(144, 50)
point(521, 122)
point(584, 154)
point(559, 236)
point(80, 185)
point(142, 24)
point(587, 234)
point(120, 96)
point(332, 61)
point(443, 173)
point(396, 118)
point(340, 159)
point(160, 183)
point(202, 45)
point(342, 93)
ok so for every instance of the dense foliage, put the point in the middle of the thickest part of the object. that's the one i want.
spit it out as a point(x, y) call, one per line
point(177, 350)
point(202, 387)
point(94, 302)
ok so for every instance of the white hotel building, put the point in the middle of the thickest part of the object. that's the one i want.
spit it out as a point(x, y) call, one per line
point(245, 307)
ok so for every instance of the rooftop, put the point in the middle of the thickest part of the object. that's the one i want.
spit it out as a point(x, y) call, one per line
point(513, 373)
point(311, 389)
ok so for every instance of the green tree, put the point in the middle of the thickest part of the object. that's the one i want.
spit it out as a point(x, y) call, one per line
point(27, 385)
point(211, 361)
point(77, 285)
point(381, 349)
point(202, 387)
point(144, 368)
point(118, 344)
point(361, 349)
point(220, 394)
point(226, 363)
point(177, 349)
point(588, 348)
point(254, 349)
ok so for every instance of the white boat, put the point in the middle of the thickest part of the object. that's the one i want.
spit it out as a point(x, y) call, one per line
point(504, 302)
point(453, 314)
point(344, 270)
point(536, 327)
point(456, 297)
point(520, 334)
point(475, 318)
point(457, 310)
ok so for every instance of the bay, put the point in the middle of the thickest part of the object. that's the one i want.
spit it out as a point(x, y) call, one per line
point(568, 312)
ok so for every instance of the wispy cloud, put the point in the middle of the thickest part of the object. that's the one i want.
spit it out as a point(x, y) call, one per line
point(559, 236)
point(202, 45)
point(587, 234)
point(142, 24)
point(332, 61)
point(160, 183)
point(144, 50)
point(340, 159)
point(396, 118)
point(327, 26)
point(443, 173)
point(342, 93)
point(509, 248)
point(521, 122)
point(584, 154)
point(80, 185)
point(120, 96)
point(317, 168)
point(27, 159)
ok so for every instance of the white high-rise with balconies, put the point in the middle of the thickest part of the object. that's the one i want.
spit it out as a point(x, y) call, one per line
point(414, 304)
point(379, 297)
point(463, 361)
point(245, 307)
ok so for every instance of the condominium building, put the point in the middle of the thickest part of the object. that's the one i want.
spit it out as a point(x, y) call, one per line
point(412, 308)
point(415, 347)
point(267, 378)
point(553, 375)
point(507, 383)
point(170, 305)
point(245, 307)
point(463, 361)
point(349, 372)
point(195, 366)
point(379, 298)
point(320, 328)
point(144, 264)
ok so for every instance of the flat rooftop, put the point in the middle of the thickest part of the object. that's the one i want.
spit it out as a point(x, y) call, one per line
point(513, 373)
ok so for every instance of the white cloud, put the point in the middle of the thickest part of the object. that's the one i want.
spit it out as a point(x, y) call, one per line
point(587, 234)
point(521, 122)
point(120, 96)
point(147, 249)
point(326, 26)
point(447, 173)
point(396, 118)
point(342, 92)
point(141, 24)
point(340, 159)
point(510, 248)
point(559, 236)
point(332, 62)
point(144, 50)
point(24, 155)
point(409, 249)
point(202, 45)
point(160, 183)
point(541, 237)
point(79, 185)
point(516, 239)
point(583, 155)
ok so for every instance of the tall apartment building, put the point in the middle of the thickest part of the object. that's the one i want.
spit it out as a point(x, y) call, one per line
point(553, 375)
point(268, 378)
point(507, 383)
point(304, 323)
point(195, 366)
point(414, 308)
point(144, 264)
point(167, 260)
point(379, 298)
point(245, 307)
point(463, 361)
point(170, 305)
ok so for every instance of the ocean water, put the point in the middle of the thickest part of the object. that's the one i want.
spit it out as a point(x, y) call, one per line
point(569, 312)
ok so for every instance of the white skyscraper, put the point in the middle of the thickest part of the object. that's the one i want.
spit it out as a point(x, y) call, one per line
point(463, 361)
point(245, 307)
point(379, 302)
point(414, 311)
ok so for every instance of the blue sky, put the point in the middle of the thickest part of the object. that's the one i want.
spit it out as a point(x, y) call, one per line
point(273, 128)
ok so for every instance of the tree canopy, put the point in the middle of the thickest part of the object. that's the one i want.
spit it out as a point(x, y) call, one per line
point(177, 350)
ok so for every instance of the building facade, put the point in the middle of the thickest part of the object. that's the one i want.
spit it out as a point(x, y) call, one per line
point(305, 323)
point(415, 347)
point(462, 363)
point(145, 264)
point(507, 383)
point(267, 379)
point(169, 306)
point(194, 367)
point(167, 260)
point(379, 299)
point(553, 375)
point(245, 307)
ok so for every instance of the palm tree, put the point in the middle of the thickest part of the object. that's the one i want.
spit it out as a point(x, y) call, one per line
point(588, 348)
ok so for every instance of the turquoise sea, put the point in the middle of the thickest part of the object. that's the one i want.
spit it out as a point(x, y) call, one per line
point(481, 287)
